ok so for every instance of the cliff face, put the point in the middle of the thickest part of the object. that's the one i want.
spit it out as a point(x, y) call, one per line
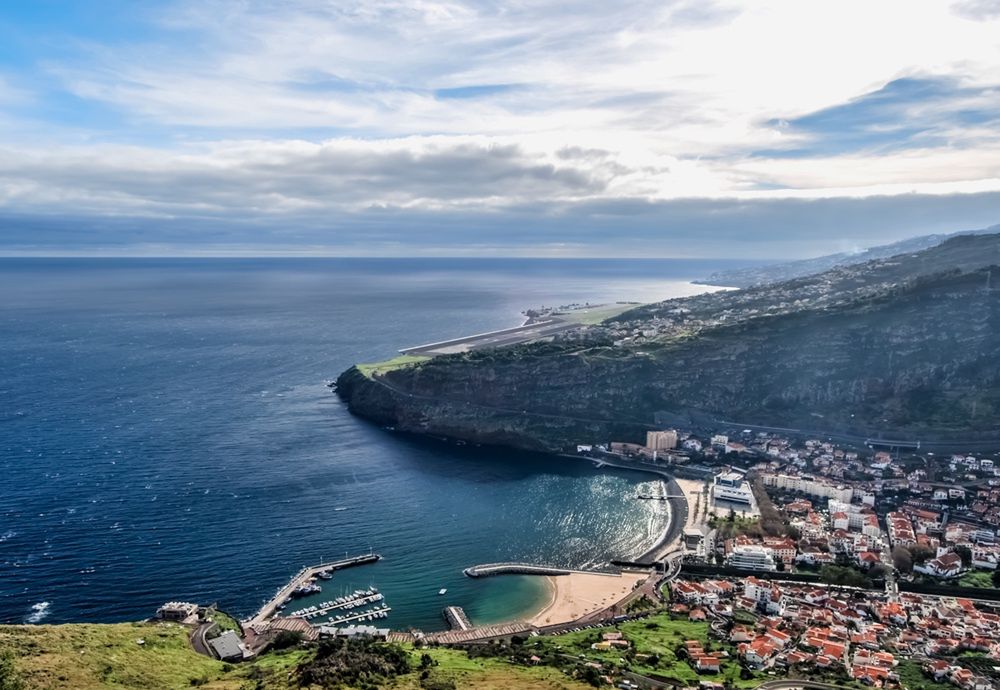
point(918, 357)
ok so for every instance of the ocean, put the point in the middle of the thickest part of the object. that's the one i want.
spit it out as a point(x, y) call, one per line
point(166, 434)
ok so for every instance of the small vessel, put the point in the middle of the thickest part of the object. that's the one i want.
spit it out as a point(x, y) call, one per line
point(442, 591)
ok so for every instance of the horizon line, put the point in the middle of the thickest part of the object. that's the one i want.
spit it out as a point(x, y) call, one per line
point(387, 256)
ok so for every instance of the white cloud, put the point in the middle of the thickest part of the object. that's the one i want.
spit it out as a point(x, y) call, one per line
point(252, 106)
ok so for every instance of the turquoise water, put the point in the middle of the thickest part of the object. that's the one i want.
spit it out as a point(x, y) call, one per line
point(165, 434)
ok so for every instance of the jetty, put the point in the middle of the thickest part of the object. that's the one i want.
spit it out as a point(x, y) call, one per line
point(456, 618)
point(303, 578)
point(488, 569)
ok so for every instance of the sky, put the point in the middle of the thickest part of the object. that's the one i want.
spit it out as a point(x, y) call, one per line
point(677, 128)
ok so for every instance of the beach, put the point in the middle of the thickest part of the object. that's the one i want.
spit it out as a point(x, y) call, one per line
point(575, 595)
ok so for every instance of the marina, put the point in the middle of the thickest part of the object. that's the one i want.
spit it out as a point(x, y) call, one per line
point(303, 584)
point(355, 600)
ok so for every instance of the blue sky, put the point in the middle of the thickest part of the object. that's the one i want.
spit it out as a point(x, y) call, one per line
point(672, 128)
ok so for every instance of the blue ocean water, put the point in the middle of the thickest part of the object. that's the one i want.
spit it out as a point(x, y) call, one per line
point(165, 434)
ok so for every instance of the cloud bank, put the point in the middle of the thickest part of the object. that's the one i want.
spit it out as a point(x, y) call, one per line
point(679, 128)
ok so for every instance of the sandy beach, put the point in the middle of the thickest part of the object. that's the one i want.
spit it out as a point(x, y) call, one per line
point(578, 594)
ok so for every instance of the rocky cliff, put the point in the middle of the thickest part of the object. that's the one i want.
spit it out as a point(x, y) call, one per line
point(908, 344)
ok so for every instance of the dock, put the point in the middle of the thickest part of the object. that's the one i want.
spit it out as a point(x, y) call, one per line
point(488, 569)
point(456, 618)
point(369, 615)
point(333, 606)
point(301, 578)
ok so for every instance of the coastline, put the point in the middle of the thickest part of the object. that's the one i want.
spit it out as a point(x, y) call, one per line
point(553, 594)
point(679, 507)
point(579, 594)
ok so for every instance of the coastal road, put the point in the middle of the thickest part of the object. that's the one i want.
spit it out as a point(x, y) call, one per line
point(199, 639)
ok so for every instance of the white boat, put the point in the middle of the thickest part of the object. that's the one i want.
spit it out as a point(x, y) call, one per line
point(442, 591)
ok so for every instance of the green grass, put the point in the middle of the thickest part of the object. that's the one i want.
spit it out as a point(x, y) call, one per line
point(659, 635)
point(485, 673)
point(913, 678)
point(225, 622)
point(108, 657)
point(95, 657)
point(379, 368)
point(976, 578)
point(745, 617)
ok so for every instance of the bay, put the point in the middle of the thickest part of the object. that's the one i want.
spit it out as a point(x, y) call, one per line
point(166, 434)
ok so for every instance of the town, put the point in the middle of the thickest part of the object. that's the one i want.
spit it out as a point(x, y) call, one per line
point(843, 560)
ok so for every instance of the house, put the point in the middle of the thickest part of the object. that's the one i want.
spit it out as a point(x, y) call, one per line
point(697, 614)
point(948, 565)
point(227, 646)
point(777, 637)
point(740, 634)
point(866, 559)
point(937, 669)
point(177, 611)
point(759, 653)
point(707, 664)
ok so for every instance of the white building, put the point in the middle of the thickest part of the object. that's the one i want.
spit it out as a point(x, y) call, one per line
point(731, 486)
point(810, 486)
point(752, 557)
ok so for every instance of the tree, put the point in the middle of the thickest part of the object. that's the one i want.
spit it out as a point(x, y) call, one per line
point(921, 554)
point(836, 575)
point(286, 639)
point(902, 559)
point(965, 553)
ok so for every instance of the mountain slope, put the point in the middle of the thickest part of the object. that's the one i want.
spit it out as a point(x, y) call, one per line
point(780, 272)
point(906, 344)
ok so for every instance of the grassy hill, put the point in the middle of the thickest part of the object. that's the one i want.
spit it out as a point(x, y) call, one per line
point(109, 657)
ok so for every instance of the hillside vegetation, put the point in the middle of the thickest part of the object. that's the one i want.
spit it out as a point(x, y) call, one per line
point(904, 344)
point(110, 657)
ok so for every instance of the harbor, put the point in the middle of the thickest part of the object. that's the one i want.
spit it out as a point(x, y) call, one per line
point(303, 583)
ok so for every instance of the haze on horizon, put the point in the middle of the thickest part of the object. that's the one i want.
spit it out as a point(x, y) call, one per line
point(681, 128)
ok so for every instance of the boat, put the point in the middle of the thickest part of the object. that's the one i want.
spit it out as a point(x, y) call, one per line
point(324, 575)
point(442, 591)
